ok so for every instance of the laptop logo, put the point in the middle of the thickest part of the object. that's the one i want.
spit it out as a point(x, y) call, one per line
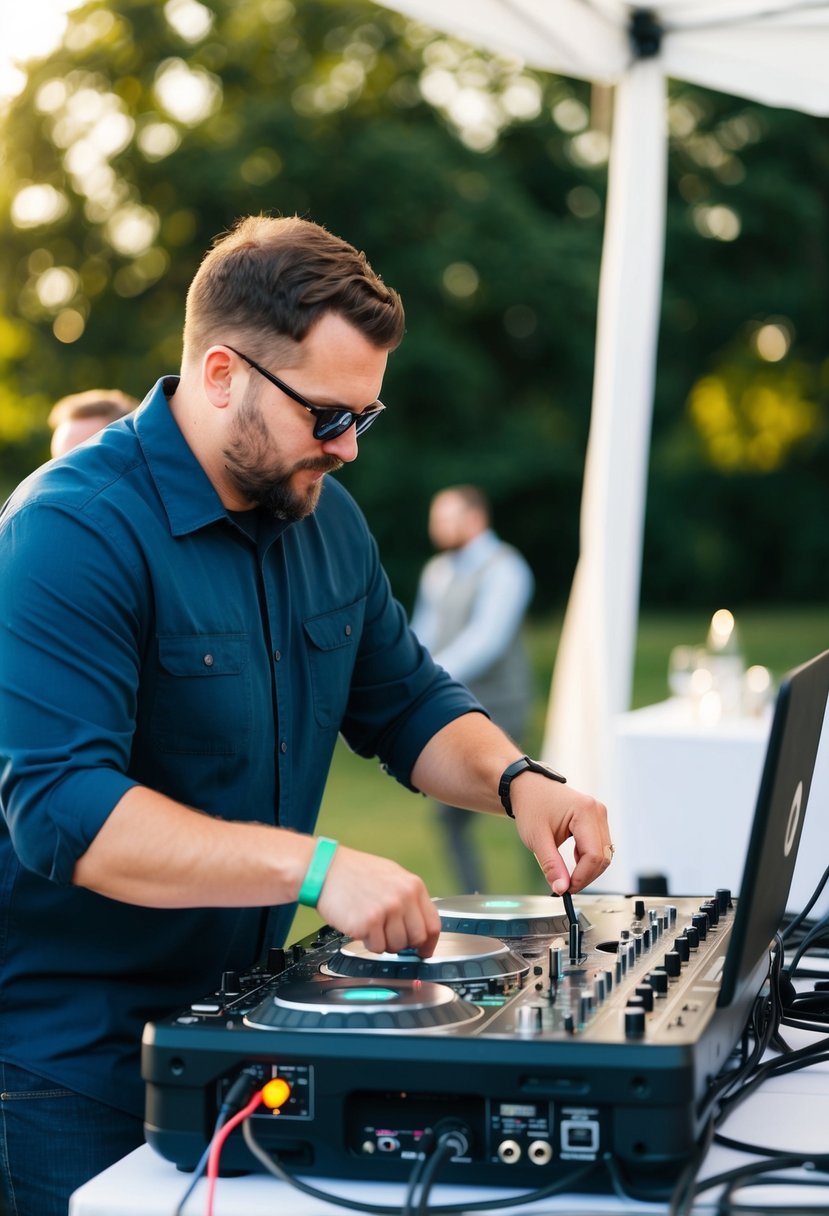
point(794, 819)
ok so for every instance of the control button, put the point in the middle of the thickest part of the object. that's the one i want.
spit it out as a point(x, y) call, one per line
point(283, 747)
point(529, 1019)
point(683, 948)
point(277, 655)
point(634, 1022)
point(645, 994)
point(206, 1007)
point(639, 909)
point(700, 922)
point(723, 899)
point(658, 980)
point(693, 935)
point(208, 660)
point(672, 963)
point(230, 983)
point(712, 911)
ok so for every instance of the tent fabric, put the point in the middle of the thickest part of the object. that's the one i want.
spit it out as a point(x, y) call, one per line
point(770, 51)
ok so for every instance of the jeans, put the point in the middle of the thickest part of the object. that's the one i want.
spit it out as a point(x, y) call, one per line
point(52, 1140)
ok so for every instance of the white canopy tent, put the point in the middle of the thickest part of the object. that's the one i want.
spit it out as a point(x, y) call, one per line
point(770, 51)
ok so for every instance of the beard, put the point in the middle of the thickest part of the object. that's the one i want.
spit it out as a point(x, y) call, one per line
point(259, 475)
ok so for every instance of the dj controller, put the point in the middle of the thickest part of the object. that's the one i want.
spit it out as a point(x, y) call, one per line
point(541, 1042)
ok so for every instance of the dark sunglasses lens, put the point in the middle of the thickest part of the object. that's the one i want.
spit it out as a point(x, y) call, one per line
point(332, 423)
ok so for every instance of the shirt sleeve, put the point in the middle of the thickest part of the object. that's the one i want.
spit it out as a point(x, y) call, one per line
point(69, 658)
point(496, 616)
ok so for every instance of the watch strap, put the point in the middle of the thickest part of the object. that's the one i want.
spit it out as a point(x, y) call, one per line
point(523, 765)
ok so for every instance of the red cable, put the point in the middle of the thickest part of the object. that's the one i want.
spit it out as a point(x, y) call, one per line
point(218, 1143)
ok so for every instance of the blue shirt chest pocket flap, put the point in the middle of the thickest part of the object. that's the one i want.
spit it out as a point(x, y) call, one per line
point(202, 696)
point(333, 639)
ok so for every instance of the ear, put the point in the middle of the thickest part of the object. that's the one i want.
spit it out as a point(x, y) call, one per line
point(217, 376)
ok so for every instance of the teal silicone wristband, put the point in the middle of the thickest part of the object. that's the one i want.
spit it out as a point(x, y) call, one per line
point(317, 872)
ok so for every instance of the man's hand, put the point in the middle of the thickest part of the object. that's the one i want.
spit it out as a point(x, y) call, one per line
point(379, 902)
point(547, 814)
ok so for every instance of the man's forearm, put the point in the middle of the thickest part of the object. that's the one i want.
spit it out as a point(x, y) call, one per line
point(157, 853)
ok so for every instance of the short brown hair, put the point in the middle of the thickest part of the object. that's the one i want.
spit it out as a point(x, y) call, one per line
point(275, 277)
point(108, 403)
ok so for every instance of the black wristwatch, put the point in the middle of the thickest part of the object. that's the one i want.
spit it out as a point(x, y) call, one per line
point(520, 766)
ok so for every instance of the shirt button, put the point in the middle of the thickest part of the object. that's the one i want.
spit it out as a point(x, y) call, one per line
point(208, 660)
point(348, 631)
point(283, 747)
point(277, 654)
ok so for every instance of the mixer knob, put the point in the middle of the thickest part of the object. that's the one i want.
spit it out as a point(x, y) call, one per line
point(693, 936)
point(624, 934)
point(645, 993)
point(230, 983)
point(671, 912)
point(639, 909)
point(658, 980)
point(569, 1023)
point(608, 976)
point(556, 969)
point(276, 960)
point(712, 911)
point(646, 938)
point(673, 963)
point(585, 1007)
point(700, 922)
point(634, 1022)
point(683, 948)
point(637, 942)
point(723, 895)
point(529, 1019)
point(599, 989)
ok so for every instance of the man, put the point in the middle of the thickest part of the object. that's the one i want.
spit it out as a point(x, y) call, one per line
point(77, 417)
point(470, 606)
point(190, 612)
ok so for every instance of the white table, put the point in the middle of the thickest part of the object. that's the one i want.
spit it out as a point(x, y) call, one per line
point(683, 802)
point(787, 1113)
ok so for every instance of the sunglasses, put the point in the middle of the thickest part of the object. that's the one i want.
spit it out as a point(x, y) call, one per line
point(328, 423)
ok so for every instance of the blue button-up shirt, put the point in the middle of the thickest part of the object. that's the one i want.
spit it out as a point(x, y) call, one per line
point(147, 638)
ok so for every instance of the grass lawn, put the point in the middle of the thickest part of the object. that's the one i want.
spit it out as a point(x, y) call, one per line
point(368, 810)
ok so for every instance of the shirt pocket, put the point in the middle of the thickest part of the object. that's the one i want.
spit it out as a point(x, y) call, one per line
point(332, 641)
point(202, 704)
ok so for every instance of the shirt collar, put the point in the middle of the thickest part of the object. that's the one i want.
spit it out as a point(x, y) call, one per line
point(188, 495)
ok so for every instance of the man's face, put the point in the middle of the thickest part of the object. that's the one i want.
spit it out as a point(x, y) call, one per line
point(452, 521)
point(271, 456)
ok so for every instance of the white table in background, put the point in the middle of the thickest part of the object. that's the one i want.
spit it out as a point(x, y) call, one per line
point(683, 802)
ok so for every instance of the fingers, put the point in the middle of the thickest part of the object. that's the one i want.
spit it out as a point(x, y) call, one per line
point(377, 901)
point(556, 814)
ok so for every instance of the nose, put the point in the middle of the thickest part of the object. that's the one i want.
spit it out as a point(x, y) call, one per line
point(344, 447)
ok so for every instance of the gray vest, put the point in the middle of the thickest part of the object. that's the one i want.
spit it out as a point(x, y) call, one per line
point(505, 688)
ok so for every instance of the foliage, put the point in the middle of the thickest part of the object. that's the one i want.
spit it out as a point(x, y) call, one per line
point(476, 188)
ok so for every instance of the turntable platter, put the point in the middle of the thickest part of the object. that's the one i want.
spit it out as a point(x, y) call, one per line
point(457, 957)
point(505, 915)
point(344, 1004)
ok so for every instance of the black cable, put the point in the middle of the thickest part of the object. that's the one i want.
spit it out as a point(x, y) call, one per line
point(236, 1097)
point(446, 1149)
point(417, 1174)
point(273, 1167)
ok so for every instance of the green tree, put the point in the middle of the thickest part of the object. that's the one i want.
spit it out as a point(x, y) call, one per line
point(477, 189)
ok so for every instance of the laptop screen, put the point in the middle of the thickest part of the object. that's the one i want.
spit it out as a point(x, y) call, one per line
point(798, 724)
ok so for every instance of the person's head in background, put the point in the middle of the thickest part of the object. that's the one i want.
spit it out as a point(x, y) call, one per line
point(74, 418)
point(457, 515)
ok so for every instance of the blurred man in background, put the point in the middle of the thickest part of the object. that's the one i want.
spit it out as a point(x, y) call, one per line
point(470, 607)
point(74, 418)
